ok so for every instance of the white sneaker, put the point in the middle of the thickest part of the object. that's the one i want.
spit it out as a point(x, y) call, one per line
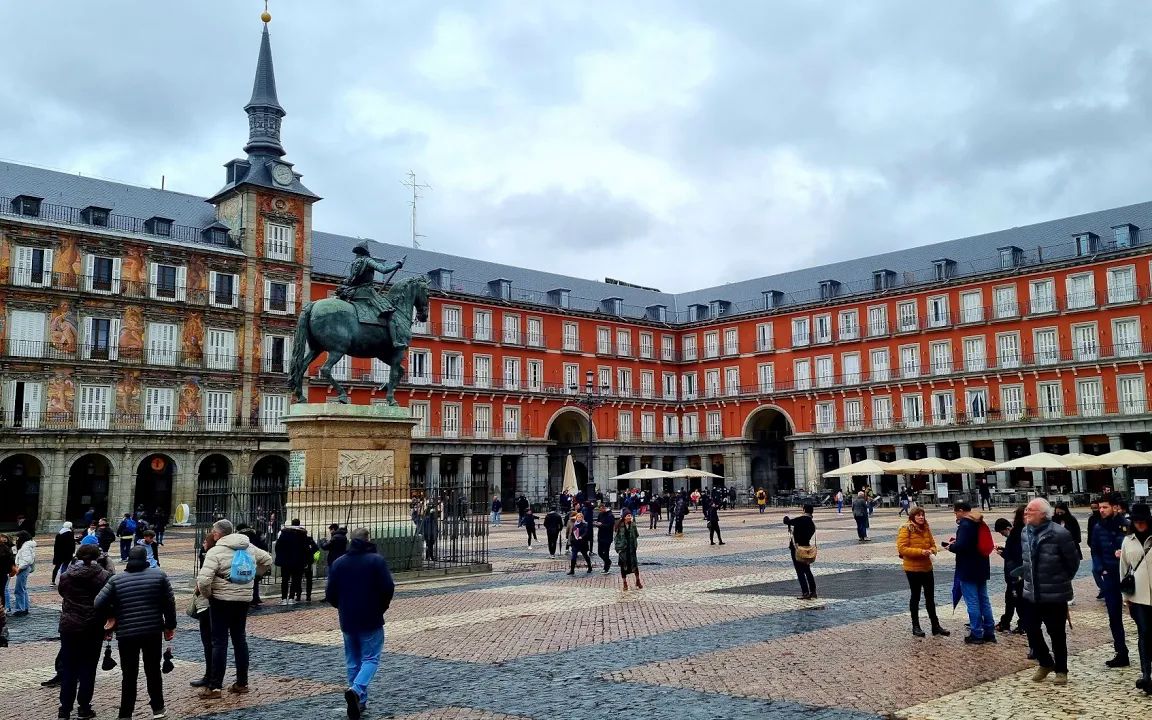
point(284, 601)
point(292, 601)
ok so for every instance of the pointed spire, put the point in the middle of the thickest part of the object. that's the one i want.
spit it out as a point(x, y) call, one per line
point(264, 110)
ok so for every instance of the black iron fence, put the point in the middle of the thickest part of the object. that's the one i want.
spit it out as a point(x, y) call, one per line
point(423, 526)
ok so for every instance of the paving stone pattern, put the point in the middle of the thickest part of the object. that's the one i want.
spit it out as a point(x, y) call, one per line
point(717, 632)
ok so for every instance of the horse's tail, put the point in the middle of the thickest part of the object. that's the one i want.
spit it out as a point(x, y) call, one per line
point(300, 350)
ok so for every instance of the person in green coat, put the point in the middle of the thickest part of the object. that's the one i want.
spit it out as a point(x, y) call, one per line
point(626, 536)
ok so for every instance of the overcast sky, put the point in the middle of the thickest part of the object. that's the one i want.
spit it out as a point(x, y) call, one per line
point(674, 143)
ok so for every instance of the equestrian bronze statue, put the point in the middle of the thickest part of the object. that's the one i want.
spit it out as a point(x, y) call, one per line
point(364, 321)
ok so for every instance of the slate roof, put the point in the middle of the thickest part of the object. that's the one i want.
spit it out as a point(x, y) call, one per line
point(1043, 242)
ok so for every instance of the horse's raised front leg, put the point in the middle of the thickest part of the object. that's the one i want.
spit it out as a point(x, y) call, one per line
point(395, 373)
point(326, 374)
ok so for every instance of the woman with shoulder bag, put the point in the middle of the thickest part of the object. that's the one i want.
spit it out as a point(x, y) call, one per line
point(1136, 585)
point(916, 546)
point(802, 546)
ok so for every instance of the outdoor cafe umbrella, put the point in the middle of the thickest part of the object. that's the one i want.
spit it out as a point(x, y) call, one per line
point(862, 467)
point(926, 466)
point(1123, 458)
point(570, 485)
point(1048, 461)
point(644, 474)
point(974, 464)
point(693, 473)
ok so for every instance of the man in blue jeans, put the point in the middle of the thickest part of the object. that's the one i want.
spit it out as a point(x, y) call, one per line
point(360, 586)
point(1105, 540)
point(973, 571)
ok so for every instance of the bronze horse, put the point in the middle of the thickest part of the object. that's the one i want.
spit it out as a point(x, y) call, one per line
point(330, 325)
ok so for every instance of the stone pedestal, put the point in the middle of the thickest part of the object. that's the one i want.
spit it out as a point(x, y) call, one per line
point(349, 464)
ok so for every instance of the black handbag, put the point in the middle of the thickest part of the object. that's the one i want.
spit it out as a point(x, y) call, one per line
point(1128, 582)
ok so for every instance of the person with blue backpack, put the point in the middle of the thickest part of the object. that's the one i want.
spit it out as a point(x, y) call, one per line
point(126, 532)
point(231, 567)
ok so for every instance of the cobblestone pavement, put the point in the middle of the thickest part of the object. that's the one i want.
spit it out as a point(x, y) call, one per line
point(717, 632)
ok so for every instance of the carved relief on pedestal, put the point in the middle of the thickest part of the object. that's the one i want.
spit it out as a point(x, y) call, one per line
point(367, 467)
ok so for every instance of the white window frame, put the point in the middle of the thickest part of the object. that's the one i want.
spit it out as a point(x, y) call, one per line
point(1131, 395)
point(571, 336)
point(510, 333)
point(877, 320)
point(1012, 403)
point(179, 291)
point(825, 417)
point(802, 373)
point(452, 369)
point(766, 378)
point(1124, 343)
point(535, 331)
point(1121, 284)
point(419, 367)
point(731, 341)
point(882, 412)
point(912, 410)
point(623, 342)
point(450, 415)
point(848, 322)
point(879, 371)
point(822, 328)
point(975, 353)
point(218, 411)
point(450, 321)
point(93, 407)
point(972, 306)
point(482, 421)
point(801, 336)
point(850, 368)
point(603, 341)
point(214, 299)
point(906, 317)
point(1008, 352)
point(1045, 346)
point(909, 361)
point(825, 368)
point(511, 373)
point(764, 339)
point(31, 404)
point(1089, 397)
point(732, 381)
point(279, 241)
point(1041, 296)
point(511, 422)
point(289, 297)
point(714, 425)
point(26, 330)
point(688, 347)
point(940, 356)
point(938, 314)
point(420, 410)
point(1050, 399)
point(534, 381)
point(23, 258)
point(1004, 302)
point(482, 325)
point(482, 372)
point(1080, 291)
point(273, 408)
point(90, 274)
point(1085, 342)
point(624, 426)
point(853, 414)
point(646, 346)
point(976, 405)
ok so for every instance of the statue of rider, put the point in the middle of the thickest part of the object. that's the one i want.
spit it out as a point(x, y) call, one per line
point(359, 287)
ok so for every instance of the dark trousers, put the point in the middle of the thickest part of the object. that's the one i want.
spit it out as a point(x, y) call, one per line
point(79, 656)
point(130, 651)
point(205, 619)
point(653, 519)
point(714, 533)
point(803, 573)
point(531, 530)
point(577, 551)
point(125, 546)
point(1050, 616)
point(429, 550)
point(679, 524)
point(1013, 594)
point(603, 550)
point(307, 582)
point(1142, 616)
point(290, 582)
point(985, 499)
point(553, 540)
point(1114, 602)
point(229, 620)
point(922, 582)
point(861, 525)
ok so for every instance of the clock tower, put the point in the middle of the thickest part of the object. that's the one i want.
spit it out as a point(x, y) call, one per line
point(266, 207)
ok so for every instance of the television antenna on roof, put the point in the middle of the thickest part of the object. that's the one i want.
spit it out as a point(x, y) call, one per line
point(416, 188)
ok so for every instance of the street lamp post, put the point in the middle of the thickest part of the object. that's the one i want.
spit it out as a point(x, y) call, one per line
point(594, 396)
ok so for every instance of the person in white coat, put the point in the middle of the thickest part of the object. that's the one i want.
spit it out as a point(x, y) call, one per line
point(25, 566)
point(1134, 558)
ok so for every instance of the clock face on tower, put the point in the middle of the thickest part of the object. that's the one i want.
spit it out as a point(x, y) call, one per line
point(282, 174)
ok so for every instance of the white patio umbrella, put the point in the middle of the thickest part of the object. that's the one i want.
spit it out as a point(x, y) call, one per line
point(1048, 461)
point(974, 464)
point(691, 473)
point(862, 467)
point(570, 484)
point(1123, 458)
point(937, 466)
point(644, 474)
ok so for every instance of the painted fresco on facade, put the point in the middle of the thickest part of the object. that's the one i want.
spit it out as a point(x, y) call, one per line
point(132, 333)
point(128, 405)
point(192, 341)
point(188, 412)
point(61, 395)
point(62, 333)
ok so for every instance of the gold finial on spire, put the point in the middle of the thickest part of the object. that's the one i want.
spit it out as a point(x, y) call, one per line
point(266, 16)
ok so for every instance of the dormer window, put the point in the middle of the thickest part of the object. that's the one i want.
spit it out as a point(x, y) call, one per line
point(441, 278)
point(612, 305)
point(26, 205)
point(500, 289)
point(944, 269)
point(560, 297)
point(158, 226)
point(883, 280)
point(1086, 243)
point(773, 299)
point(216, 235)
point(1010, 257)
point(829, 289)
point(237, 170)
point(1125, 236)
point(697, 311)
point(719, 308)
point(96, 216)
point(656, 313)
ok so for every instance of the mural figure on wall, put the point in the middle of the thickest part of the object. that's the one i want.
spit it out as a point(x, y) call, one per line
point(61, 396)
point(66, 262)
point(128, 406)
point(62, 333)
point(132, 334)
point(188, 412)
point(192, 342)
point(134, 271)
point(197, 282)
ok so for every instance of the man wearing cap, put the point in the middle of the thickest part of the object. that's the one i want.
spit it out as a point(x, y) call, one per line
point(359, 289)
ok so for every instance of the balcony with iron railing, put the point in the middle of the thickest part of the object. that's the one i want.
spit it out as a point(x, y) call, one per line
point(993, 417)
point(107, 420)
point(78, 217)
point(115, 354)
point(108, 285)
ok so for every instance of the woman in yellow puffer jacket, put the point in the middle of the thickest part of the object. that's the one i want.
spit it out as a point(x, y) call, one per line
point(916, 546)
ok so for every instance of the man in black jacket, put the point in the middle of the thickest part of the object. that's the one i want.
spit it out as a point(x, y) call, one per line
point(360, 587)
point(553, 524)
point(1105, 540)
point(605, 521)
point(1050, 559)
point(712, 515)
point(803, 529)
point(336, 544)
point(141, 601)
point(104, 535)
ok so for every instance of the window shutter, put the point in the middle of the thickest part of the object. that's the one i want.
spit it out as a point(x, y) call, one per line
point(267, 295)
point(287, 354)
point(87, 338)
point(116, 276)
point(153, 279)
point(9, 403)
point(32, 404)
point(114, 339)
point(291, 298)
point(89, 269)
point(267, 353)
point(22, 273)
point(181, 282)
point(212, 299)
point(48, 255)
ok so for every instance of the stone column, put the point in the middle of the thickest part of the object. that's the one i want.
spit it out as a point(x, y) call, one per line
point(931, 451)
point(464, 471)
point(1075, 446)
point(1119, 479)
point(968, 480)
point(1000, 448)
point(432, 475)
point(1035, 446)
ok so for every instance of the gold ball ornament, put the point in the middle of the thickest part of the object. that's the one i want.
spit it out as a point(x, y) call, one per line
point(266, 16)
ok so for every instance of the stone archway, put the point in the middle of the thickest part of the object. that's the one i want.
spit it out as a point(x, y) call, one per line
point(767, 430)
point(269, 493)
point(568, 431)
point(155, 476)
point(89, 479)
point(213, 489)
point(20, 488)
